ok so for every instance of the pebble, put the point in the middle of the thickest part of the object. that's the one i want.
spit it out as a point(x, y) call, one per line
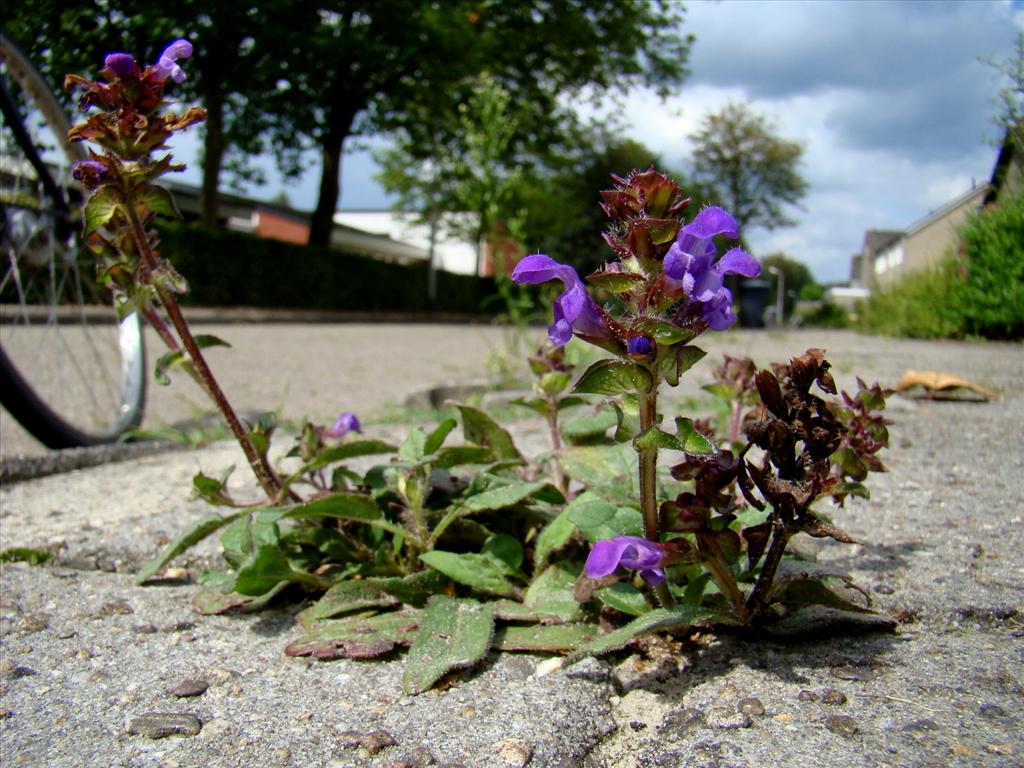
point(374, 741)
point(750, 706)
point(349, 739)
point(860, 674)
point(921, 726)
point(33, 622)
point(419, 757)
point(884, 589)
point(5, 713)
point(723, 717)
point(842, 724)
point(187, 688)
point(158, 725)
point(681, 721)
point(991, 710)
point(115, 608)
point(512, 753)
point(999, 749)
point(833, 697)
point(807, 695)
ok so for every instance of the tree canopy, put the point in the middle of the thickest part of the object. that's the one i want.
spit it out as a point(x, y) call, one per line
point(753, 172)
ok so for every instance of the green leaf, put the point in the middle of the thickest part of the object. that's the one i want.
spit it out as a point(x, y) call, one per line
point(555, 382)
point(723, 391)
point(624, 597)
point(159, 200)
point(249, 532)
point(343, 506)
point(602, 466)
point(102, 207)
point(662, 331)
point(536, 404)
point(506, 548)
point(481, 429)
point(820, 621)
point(212, 602)
point(25, 555)
point(188, 539)
point(358, 637)
point(653, 621)
point(454, 634)
point(686, 439)
point(457, 455)
point(413, 447)
point(590, 427)
point(555, 535)
point(680, 361)
point(263, 570)
point(482, 572)
point(436, 438)
point(627, 415)
point(615, 282)
point(347, 451)
point(599, 519)
point(544, 638)
point(510, 495)
point(613, 377)
point(178, 358)
point(213, 490)
point(551, 594)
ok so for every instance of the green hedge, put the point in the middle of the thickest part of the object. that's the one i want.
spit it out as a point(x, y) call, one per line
point(232, 269)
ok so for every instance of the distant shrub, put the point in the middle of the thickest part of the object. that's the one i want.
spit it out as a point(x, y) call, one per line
point(827, 315)
point(979, 291)
point(233, 269)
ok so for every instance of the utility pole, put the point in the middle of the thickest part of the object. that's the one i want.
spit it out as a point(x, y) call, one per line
point(780, 287)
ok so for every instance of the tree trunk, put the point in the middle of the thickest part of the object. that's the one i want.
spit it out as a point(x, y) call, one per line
point(213, 150)
point(332, 146)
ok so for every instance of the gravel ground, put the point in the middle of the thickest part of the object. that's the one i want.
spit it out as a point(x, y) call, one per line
point(84, 654)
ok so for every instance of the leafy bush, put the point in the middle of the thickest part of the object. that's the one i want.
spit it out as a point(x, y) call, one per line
point(234, 269)
point(977, 292)
point(827, 315)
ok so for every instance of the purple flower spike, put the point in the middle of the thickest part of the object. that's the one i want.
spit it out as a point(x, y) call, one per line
point(574, 308)
point(632, 552)
point(91, 173)
point(691, 263)
point(167, 66)
point(121, 64)
point(347, 422)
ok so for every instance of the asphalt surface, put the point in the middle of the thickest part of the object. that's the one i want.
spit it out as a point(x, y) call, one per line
point(85, 654)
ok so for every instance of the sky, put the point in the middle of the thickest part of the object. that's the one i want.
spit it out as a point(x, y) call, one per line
point(888, 97)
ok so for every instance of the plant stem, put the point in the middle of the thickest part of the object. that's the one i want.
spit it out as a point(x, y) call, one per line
point(780, 538)
point(649, 482)
point(727, 584)
point(263, 475)
point(556, 445)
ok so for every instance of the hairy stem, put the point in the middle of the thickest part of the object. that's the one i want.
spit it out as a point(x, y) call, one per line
point(561, 482)
point(780, 538)
point(727, 585)
point(649, 483)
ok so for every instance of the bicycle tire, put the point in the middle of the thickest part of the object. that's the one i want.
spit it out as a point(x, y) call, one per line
point(70, 373)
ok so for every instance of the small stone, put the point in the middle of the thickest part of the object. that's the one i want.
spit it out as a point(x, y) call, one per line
point(681, 721)
point(144, 629)
point(807, 695)
point(5, 713)
point(842, 724)
point(374, 741)
point(419, 757)
point(115, 608)
point(723, 717)
point(187, 688)
point(636, 725)
point(750, 706)
point(513, 753)
point(999, 749)
point(921, 726)
point(728, 691)
point(468, 712)
point(281, 755)
point(178, 626)
point(783, 717)
point(33, 622)
point(19, 671)
point(991, 711)
point(349, 739)
point(6, 665)
point(159, 725)
point(884, 589)
point(833, 697)
point(860, 674)
point(175, 574)
point(67, 634)
point(960, 750)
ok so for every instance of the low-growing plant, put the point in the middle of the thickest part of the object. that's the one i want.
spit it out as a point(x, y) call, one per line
point(454, 549)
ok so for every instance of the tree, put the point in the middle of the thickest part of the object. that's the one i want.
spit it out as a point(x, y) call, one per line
point(796, 277)
point(1009, 117)
point(379, 67)
point(753, 172)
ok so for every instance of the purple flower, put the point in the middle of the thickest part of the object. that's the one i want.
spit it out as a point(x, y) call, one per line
point(121, 64)
point(91, 173)
point(639, 345)
point(347, 422)
point(691, 262)
point(631, 552)
point(167, 66)
point(574, 308)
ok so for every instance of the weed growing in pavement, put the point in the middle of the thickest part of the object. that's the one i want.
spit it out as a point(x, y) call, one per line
point(454, 549)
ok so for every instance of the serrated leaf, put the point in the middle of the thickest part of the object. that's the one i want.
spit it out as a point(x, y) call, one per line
point(653, 621)
point(342, 506)
point(454, 634)
point(551, 594)
point(555, 535)
point(482, 572)
point(185, 541)
point(436, 438)
point(510, 495)
point(691, 440)
point(479, 428)
point(358, 637)
point(625, 598)
point(102, 206)
point(159, 200)
point(345, 451)
point(613, 377)
point(544, 638)
point(598, 519)
point(590, 427)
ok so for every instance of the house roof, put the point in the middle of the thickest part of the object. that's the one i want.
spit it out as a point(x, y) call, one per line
point(974, 192)
point(876, 240)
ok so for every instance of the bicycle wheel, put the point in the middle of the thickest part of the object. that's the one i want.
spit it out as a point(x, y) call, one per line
point(70, 373)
